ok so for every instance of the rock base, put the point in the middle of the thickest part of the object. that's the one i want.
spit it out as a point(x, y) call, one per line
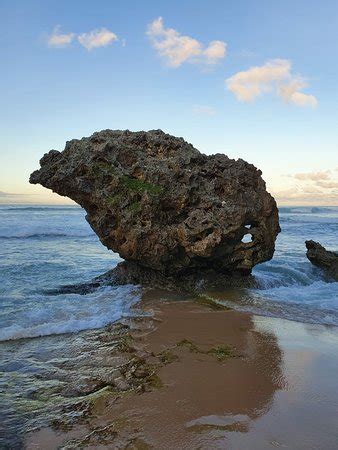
point(131, 273)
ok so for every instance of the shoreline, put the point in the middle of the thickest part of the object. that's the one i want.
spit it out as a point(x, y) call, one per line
point(217, 377)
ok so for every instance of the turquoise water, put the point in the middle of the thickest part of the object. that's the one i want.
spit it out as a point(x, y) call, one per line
point(45, 248)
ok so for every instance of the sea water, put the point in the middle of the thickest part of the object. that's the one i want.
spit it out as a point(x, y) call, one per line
point(43, 248)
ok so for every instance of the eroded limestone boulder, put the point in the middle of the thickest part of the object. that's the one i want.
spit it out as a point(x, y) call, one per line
point(160, 203)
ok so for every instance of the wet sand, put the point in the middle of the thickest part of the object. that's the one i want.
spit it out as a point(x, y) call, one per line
point(226, 380)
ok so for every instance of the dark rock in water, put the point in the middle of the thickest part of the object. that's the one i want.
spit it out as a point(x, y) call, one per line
point(81, 289)
point(164, 206)
point(131, 273)
point(326, 260)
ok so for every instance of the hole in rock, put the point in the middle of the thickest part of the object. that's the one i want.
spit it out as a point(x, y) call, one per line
point(247, 238)
point(251, 225)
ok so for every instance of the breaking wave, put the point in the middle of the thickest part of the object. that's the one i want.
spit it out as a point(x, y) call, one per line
point(40, 315)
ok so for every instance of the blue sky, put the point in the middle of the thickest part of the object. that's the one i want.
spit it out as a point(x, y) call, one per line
point(266, 91)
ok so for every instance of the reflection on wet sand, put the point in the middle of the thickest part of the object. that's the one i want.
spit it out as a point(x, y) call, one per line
point(214, 396)
point(205, 391)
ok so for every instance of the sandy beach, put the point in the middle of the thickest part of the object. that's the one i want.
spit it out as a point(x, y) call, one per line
point(224, 379)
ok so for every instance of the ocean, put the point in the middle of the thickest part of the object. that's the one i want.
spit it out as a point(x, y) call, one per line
point(43, 248)
point(53, 343)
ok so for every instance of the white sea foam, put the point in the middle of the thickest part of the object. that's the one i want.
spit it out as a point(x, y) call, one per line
point(319, 294)
point(45, 315)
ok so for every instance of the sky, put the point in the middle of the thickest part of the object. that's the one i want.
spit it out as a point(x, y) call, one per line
point(252, 79)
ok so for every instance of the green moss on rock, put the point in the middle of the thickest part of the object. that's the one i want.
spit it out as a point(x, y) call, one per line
point(140, 186)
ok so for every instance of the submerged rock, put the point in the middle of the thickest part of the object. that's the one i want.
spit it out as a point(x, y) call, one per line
point(162, 205)
point(320, 257)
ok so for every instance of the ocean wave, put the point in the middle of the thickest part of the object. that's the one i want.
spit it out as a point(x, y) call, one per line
point(43, 316)
point(320, 293)
point(314, 303)
point(276, 274)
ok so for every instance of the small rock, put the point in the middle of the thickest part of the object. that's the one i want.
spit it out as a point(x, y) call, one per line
point(320, 257)
point(121, 384)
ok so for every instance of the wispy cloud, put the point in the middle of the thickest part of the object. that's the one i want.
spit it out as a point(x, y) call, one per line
point(204, 110)
point(273, 76)
point(313, 176)
point(308, 195)
point(177, 49)
point(327, 184)
point(7, 197)
point(8, 194)
point(310, 188)
point(97, 38)
point(58, 39)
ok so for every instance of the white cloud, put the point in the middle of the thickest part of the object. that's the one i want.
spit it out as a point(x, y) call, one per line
point(273, 76)
point(216, 50)
point(290, 92)
point(204, 110)
point(57, 39)
point(313, 176)
point(97, 38)
point(177, 49)
point(251, 83)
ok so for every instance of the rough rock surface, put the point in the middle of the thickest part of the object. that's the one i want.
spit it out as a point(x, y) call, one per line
point(160, 203)
point(326, 260)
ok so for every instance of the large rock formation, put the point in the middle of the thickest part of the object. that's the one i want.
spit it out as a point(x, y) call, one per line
point(162, 205)
point(320, 257)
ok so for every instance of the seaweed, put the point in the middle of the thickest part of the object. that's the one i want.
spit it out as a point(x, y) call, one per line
point(167, 357)
point(189, 345)
point(221, 352)
point(212, 303)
